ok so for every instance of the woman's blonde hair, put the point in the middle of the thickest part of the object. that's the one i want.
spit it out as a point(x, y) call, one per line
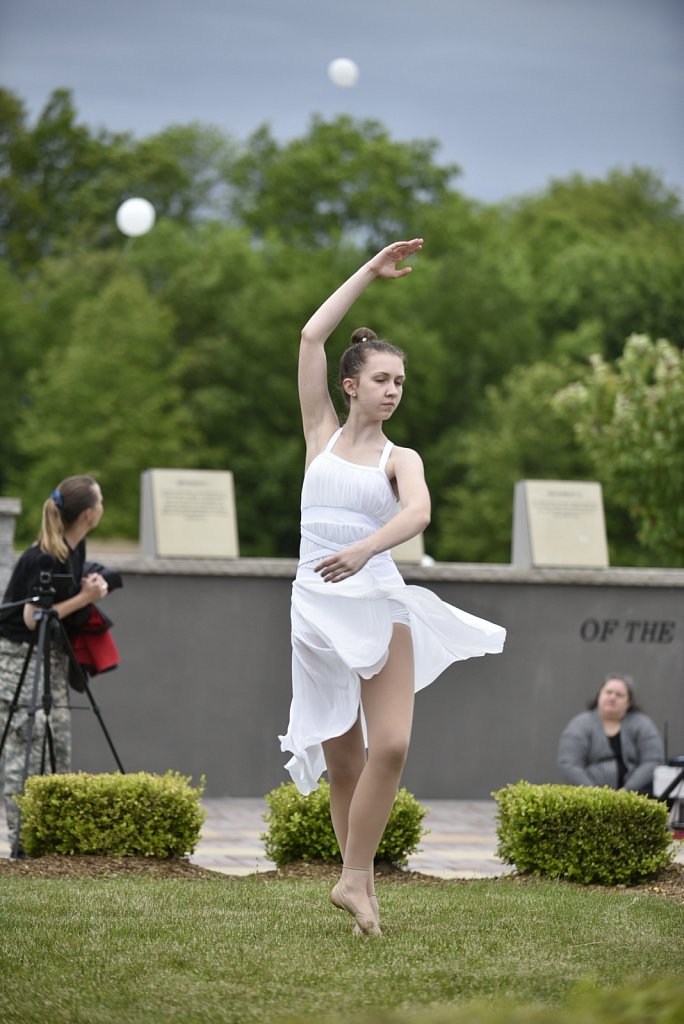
point(71, 497)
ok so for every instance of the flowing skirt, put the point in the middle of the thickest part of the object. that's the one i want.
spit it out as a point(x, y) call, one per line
point(341, 633)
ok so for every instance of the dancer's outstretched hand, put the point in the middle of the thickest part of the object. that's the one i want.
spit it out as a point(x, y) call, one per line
point(384, 264)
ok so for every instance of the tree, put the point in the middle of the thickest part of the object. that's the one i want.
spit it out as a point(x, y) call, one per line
point(248, 239)
point(237, 312)
point(346, 179)
point(624, 288)
point(629, 419)
point(36, 319)
point(622, 203)
point(61, 184)
point(609, 251)
point(520, 436)
point(106, 404)
point(18, 354)
point(478, 296)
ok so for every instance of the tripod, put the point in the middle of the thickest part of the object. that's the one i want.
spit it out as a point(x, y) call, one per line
point(672, 788)
point(49, 627)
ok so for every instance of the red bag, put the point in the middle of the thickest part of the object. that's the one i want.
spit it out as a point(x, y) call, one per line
point(93, 645)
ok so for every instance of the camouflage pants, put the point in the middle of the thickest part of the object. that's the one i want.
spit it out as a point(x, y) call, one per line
point(12, 657)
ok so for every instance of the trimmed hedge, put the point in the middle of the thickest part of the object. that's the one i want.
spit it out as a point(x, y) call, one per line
point(582, 833)
point(299, 827)
point(139, 814)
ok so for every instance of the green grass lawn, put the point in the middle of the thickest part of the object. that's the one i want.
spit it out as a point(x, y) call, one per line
point(77, 951)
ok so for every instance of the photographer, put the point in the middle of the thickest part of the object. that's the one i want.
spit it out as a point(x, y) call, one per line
point(70, 589)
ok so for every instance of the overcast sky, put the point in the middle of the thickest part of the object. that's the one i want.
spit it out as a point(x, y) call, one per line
point(515, 91)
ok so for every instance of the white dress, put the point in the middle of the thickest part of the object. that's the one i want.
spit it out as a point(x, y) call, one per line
point(341, 631)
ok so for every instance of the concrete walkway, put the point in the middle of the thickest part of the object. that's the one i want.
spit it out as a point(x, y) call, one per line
point(461, 842)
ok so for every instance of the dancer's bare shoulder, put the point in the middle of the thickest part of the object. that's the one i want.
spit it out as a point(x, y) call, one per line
point(405, 469)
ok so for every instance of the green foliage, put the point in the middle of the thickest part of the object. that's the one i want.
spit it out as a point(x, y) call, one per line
point(229, 302)
point(180, 348)
point(582, 834)
point(473, 292)
point(256, 950)
point(507, 445)
point(17, 326)
point(522, 433)
point(629, 419)
point(299, 827)
point(344, 179)
point(60, 184)
point(131, 815)
point(106, 404)
point(609, 251)
point(659, 1001)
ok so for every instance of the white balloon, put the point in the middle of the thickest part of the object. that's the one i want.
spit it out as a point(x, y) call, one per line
point(135, 217)
point(343, 72)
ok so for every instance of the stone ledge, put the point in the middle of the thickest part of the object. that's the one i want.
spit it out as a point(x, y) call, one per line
point(10, 506)
point(440, 572)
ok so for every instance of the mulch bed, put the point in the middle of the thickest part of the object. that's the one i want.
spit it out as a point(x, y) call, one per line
point(668, 883)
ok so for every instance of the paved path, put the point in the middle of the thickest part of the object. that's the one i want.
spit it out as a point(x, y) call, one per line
point(461, 842)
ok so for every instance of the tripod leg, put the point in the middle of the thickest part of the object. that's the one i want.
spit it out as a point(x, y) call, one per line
point(60, 716)
point(104, 729)
point(47, 754)
point(56, 717)
point(31, 724)
point(48, 745)
point(73, 660)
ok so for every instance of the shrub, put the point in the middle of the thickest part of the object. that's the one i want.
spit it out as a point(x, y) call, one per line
point(299, 827)
point(122, 815)
point(581, 833)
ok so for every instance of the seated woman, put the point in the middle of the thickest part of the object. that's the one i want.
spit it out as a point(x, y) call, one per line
point(613, 743)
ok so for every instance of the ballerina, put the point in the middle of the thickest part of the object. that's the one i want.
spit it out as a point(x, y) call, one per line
point(362, 640)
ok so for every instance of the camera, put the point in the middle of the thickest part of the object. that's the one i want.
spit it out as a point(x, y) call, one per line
point(44, 593)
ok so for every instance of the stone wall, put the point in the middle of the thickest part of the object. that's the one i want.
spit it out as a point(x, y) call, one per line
point(9, 510)
point(204, 680)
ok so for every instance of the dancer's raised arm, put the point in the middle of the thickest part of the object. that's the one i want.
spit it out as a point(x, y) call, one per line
point(319, 419)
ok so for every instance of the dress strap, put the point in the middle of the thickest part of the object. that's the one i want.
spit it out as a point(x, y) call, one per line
point(385, 454)
point(331, 443)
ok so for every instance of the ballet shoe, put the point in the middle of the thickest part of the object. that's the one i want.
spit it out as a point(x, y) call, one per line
point(375, 907)
point(366, 923)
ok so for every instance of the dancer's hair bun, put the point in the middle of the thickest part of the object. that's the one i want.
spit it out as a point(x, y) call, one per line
point(363, 334)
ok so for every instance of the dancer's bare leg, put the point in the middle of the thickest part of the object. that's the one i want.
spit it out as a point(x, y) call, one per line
point(387, 701)
point(345, 759)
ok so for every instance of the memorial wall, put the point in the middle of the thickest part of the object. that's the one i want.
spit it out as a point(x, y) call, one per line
point(204, 681)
